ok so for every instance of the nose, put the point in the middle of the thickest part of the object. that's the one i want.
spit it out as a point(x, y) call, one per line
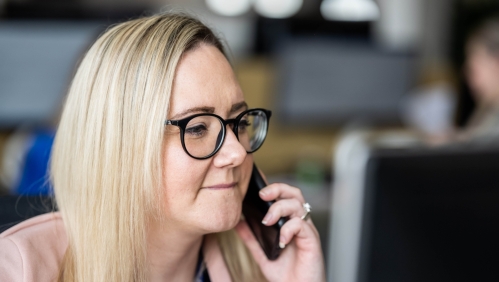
point(232, 153)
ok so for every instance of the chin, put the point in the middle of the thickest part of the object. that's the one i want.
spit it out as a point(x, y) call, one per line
point(222, 220)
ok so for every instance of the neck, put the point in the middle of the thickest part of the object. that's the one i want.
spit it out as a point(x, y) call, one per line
point(172, 254)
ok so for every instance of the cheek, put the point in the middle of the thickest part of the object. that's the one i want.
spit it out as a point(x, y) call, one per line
point(186, 204)
point(246, 169)
point(182, 177)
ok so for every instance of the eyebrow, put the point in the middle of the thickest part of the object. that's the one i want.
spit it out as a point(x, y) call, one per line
point(210, 110)
point(238, 106)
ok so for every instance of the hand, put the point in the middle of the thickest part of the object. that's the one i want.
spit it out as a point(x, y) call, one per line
point(301, 259)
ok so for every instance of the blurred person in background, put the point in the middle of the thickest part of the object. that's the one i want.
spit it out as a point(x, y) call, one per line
point(482, 75)
point(136, 203)
point(430, 109)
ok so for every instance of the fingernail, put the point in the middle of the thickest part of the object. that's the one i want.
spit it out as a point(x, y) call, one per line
point(282, 245)
point(267, 218)
point(263, 192)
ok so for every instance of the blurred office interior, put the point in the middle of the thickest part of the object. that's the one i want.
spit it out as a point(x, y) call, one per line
point(352, 75)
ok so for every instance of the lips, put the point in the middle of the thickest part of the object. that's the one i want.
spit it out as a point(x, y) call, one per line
point(222, 186)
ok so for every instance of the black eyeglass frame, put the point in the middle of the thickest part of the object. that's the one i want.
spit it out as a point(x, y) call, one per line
point(182, 124)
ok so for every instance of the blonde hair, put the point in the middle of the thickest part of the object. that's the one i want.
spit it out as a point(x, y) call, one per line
point(106, 163)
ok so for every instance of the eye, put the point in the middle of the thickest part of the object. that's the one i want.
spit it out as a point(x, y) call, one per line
point(243, 124)
point(198, 130)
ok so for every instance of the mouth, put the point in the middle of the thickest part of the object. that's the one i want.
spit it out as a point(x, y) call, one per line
point(222, 186)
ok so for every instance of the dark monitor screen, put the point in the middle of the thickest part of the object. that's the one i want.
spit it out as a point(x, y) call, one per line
point(327, 82)
point(431, 216)
point(37, 62)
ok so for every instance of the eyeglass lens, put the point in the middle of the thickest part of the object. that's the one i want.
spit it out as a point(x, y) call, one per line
point(204, 134)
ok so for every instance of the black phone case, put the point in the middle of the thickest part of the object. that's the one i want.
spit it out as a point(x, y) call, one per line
point(254, 209)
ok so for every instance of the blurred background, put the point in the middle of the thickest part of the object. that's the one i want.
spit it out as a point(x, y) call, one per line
point(345, 79)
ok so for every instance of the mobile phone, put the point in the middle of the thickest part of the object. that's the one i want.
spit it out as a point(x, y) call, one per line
point(254, 209)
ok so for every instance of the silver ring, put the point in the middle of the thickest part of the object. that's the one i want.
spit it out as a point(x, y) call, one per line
point(307, 209)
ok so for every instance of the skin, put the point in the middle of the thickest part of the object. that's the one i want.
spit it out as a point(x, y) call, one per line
point(196, 204)
point(482, 70)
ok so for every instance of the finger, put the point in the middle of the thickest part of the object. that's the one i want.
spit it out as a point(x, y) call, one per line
point(299, 229)
point(283, 208)
point(250, 241)
point(281, 191)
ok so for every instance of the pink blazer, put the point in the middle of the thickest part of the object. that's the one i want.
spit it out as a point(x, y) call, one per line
point(33, 251)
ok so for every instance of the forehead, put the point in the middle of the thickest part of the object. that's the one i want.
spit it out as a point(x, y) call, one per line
point(475, 46)
point(204, 78)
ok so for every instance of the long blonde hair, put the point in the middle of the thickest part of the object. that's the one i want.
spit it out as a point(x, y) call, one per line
point(106, 165)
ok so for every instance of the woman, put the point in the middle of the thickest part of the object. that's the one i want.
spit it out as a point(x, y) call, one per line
point(482, 70)
point(141, 198)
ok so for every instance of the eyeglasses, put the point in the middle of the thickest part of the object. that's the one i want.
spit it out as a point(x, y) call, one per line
point(202, 135)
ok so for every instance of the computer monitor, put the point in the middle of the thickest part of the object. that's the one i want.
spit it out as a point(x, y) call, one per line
point(420, 215)
point(37, 61)
point(330, 82)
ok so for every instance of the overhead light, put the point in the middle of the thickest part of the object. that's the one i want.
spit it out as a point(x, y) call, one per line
point(350, 10)
point(229, 7)
point(277, 8)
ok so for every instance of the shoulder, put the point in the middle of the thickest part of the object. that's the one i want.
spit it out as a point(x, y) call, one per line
point(33, 249)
